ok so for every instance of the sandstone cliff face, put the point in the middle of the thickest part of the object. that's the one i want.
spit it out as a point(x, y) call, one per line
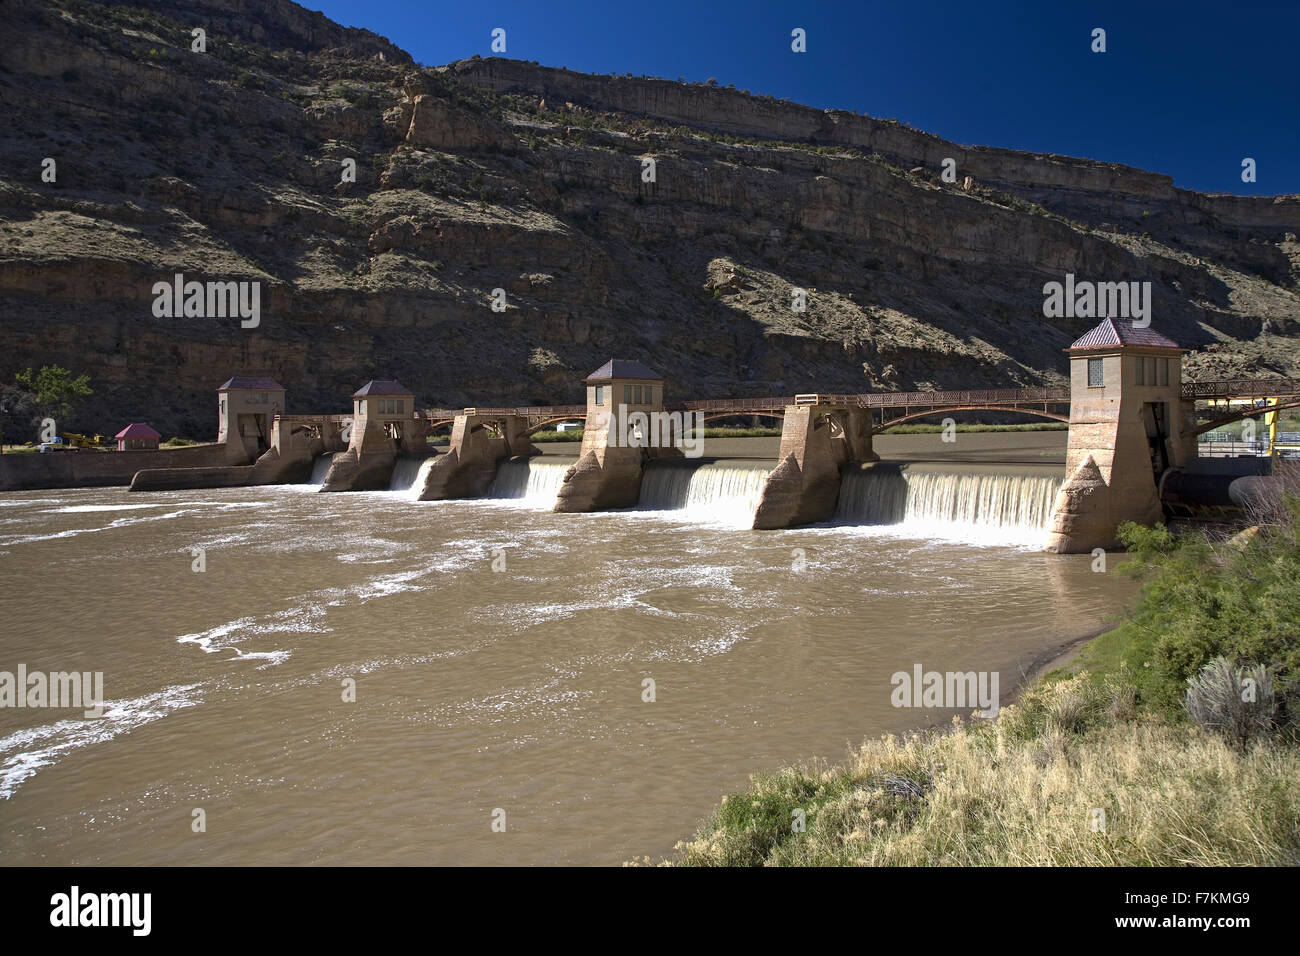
point(496, 174)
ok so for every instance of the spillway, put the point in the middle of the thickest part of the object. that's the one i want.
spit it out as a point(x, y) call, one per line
point(726, 491)
point(407, 471)
point(532, 481)
point(993, 507)
point(320, 467)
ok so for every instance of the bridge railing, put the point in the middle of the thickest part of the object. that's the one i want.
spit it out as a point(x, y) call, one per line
point(1222, 389)
point(313, 419)
point(1259, 448)
point(738, 405)
point(1242, 388)
point(980, 396)
point(523, 411)
point(987, 396)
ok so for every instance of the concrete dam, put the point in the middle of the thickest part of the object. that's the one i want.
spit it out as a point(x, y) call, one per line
point(1132, 451)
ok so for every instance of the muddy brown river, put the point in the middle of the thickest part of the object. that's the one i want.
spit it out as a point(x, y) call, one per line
point(500, 654)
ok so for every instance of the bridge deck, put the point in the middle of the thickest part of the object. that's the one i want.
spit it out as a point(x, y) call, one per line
point(1242, 388)
point(313, 419)
point(954, 399)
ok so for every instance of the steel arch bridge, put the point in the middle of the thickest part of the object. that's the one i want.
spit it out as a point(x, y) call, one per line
point(889, 409)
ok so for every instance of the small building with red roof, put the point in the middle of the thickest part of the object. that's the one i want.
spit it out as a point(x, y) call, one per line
point(137, 436)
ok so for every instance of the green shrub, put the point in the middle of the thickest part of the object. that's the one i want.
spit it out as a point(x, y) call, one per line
point(1201, 600)
point(572, 434)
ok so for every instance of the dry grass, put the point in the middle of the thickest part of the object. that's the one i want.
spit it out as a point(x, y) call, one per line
point(1024, 790)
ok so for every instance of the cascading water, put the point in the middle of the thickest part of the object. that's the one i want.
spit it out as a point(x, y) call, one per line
point(534, 481)
point(717, 491)
point(996, 508)
point(320, 467)
point(416, 487)
point(406, 471)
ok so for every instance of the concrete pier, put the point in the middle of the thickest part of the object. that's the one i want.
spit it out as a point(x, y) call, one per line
point(384, 425)
point(622, 432)
point(296, 442)
point(816, 442)
point(478, 445)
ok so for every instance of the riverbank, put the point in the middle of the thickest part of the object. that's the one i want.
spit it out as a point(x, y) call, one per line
point(1064, 778)
point(1096, 762)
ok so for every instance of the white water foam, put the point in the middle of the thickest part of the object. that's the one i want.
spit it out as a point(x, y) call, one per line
point(84, 509)
point(308, 613)
point(724, 493)
point(27, 751)
point(74, 532)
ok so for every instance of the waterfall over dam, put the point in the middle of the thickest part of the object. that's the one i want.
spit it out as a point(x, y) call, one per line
point(989, 506)
point(320, 467)
point(408, 473)
point(725, 491)
point(982, 506)
point(985, 505)
point(534, 481)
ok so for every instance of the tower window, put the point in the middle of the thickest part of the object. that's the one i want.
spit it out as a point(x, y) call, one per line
point(600, 394)
point(1096, 379)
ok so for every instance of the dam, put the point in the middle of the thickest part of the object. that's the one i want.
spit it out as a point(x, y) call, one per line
point(1132, 452)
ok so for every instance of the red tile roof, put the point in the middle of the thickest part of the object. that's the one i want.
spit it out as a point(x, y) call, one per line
point(137, 430)
point(253, 384)
point(381, 388)
point(1117, 332)
point(624, 368)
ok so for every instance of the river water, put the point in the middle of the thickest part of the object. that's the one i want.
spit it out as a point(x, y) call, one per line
point(500, 655)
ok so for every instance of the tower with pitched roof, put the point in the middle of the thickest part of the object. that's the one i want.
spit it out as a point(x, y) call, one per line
point(1127, 429)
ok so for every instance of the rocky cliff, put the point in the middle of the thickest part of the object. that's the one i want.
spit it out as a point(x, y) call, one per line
point(229, 165)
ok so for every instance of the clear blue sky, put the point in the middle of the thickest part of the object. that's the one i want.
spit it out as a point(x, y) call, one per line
point(1187, 89)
